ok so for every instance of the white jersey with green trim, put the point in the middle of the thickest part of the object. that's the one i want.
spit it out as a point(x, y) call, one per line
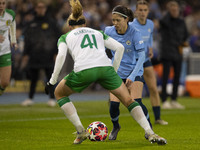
point(5, 22)
point(86, 47)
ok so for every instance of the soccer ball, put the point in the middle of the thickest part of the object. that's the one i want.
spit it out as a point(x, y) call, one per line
point(98, 131)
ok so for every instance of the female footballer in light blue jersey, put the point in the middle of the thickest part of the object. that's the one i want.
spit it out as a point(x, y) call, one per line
point(131, 66)
point(145, 26)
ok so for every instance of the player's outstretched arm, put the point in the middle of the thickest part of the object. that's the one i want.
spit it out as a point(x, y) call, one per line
point(112, 44)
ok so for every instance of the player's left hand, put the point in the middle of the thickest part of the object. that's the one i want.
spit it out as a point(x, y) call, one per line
point(128, 83)
point(48, 88)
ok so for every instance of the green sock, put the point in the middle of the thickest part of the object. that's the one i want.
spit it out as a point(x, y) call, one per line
point(63, 100)
point(132, 105)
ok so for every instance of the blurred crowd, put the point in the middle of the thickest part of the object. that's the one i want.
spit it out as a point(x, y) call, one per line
point(98, 12)
point(98, 16)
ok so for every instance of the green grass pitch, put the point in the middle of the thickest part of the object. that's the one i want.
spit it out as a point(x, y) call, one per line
point(42, 128)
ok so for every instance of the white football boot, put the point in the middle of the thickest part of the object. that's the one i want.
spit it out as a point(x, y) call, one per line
point(81, 137)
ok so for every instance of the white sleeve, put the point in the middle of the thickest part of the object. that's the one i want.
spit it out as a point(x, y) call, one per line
point(13, 32)
point(114, 45)
point(60, 59)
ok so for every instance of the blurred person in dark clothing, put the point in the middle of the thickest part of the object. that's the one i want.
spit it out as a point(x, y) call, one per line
point(40, 49)
point(174, 35)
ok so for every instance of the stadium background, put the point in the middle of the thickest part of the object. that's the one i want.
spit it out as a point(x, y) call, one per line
point(98, 16)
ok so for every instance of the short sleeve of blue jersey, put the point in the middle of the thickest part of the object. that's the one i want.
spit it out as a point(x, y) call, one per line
point(107, 29)
point(137, 40)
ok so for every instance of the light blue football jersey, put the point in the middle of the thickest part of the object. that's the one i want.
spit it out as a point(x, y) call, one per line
point(146, 31)
point(133, 43)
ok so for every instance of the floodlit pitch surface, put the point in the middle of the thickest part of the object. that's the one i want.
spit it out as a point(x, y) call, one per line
point(40, 127)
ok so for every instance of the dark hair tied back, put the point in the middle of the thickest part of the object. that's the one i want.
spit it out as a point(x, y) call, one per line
point(124, 12)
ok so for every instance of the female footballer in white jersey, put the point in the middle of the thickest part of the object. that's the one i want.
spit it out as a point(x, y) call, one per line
point(91, 64)
point(7, 26)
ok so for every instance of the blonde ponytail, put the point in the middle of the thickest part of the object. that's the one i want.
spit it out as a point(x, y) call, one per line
point(77, 9)
point(76, 17)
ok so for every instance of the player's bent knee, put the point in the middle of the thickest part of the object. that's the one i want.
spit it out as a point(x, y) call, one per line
point(128, 102)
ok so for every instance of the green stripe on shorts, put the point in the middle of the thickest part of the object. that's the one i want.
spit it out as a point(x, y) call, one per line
point(5, 60)
point(105, 76)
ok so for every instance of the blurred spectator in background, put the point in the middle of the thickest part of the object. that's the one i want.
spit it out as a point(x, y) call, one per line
point(174, 35)
point(7, 25)
point(63, 14)
point(195, 40)
point(154, 10)
point(193, 21)
point(40, 49)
